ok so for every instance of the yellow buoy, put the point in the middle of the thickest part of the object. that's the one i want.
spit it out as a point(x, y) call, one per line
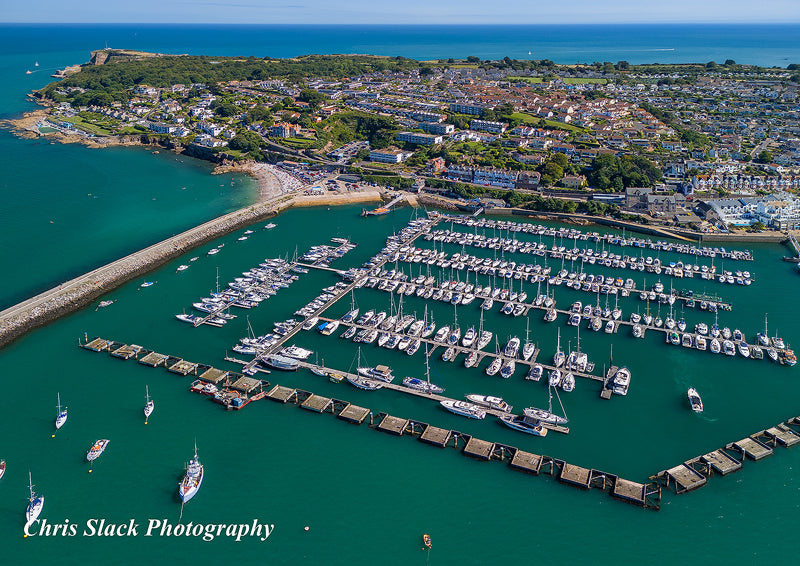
point(90, 471)
point(52, 436)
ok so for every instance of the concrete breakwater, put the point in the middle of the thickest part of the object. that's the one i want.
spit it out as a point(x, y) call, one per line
point(80, 291)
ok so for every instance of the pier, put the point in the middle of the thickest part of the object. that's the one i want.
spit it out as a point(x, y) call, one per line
point(647, 496)
point(695, 473)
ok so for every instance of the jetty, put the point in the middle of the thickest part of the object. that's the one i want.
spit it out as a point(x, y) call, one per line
point(695, 472)
point(647, 496)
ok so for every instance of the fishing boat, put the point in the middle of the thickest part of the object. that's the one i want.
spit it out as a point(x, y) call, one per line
point(523, 424)
point(35, 502)
point(149, 406)
point(97, 448)
point(2, 468)
point(61, 416)
point(463, 408)
point(694, 400)
point(495, 403)
point(426, 540)
point(190, 484)
point(788, 357)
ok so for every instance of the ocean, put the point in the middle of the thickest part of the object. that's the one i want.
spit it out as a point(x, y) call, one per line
point(365, 496)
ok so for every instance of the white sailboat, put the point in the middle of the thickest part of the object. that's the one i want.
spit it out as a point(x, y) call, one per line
point(425, 386)
point(35, 504)
point(528, 348)
point(191, 482)
point(149, 406)
point(547, 416)
point(61, 417)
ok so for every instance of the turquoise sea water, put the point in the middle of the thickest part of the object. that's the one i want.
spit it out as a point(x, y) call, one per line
point(366, 496)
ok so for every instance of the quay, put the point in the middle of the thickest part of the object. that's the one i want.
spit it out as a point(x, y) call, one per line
point(695, 473)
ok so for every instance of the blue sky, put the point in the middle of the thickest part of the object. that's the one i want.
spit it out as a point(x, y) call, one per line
point(405, 11)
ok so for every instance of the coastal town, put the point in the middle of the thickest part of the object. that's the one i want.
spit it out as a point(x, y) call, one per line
point(709, 148)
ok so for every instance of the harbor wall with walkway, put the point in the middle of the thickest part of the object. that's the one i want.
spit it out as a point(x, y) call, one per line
point(82, 290)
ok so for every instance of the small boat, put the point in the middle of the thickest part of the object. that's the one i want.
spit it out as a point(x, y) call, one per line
point(104, 304)
point(335, 377)
point(694, 400)
point(213, 251)
point(195, 258)
point(35, 502)
point(147, 284)
point(426, 540)
point(96, 449)
point(535, 373)
point(464, 409)
point(494, 367)
point(61, 416)
point(496, 403)
point(523, 424)
point(190, 484)
point(269, 226)
point(183, 267)
point(149, 406)
point(2, 468)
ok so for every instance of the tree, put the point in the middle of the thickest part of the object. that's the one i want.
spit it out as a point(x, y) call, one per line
point(764, 157)
point(623, 66)
point(473, 59)
point(245, 141)
point(729, 62)
point(312, 97)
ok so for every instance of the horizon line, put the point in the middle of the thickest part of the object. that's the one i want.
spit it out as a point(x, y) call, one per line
point(424, 24)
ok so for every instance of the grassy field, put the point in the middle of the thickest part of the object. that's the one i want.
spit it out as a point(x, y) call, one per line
point(297, 143)
point(87, 126)
point(568, 81)
point(585, 81)
point(526, 79)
